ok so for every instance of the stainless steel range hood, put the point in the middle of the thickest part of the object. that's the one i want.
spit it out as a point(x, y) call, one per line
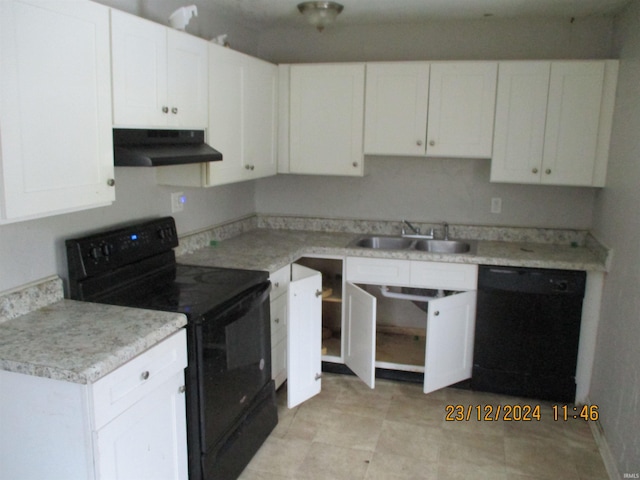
point(157, 148)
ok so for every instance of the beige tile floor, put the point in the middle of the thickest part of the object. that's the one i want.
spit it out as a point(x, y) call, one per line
point(395, 431)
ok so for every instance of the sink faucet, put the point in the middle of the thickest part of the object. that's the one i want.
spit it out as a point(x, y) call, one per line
point(415, 230)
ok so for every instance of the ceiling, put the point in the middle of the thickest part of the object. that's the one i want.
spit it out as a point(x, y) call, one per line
point(283, 13)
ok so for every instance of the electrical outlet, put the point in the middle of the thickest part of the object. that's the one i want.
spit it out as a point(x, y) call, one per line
point(496, 205)
point(178, 199)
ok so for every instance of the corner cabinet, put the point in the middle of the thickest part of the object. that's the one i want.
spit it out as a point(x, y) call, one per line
point(325, 119)
point(440, 109)
point(129, 424)
point(159, 75)
point(553, 122)
point(56, 153)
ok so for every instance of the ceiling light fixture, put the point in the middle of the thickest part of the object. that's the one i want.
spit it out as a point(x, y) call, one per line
point(320, 14)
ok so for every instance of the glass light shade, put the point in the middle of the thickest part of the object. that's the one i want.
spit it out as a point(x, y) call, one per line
point(320, 14)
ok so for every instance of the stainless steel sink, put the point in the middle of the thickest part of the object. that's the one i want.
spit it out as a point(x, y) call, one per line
point(385, 243)
point(380, 242)
point(443, 246)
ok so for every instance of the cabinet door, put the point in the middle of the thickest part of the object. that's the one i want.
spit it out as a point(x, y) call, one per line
point(360, 333)
point(227, 78)
point(261, 118)
point(396, 98)
point(573, 118)
point(326, 119)
point(148, 440)
point(304, 333)
point(242, 116)
point(139, 60)
point(187, 84)
point(56, 151)
point(449, 349)
point(461, 109)
point(521, 110)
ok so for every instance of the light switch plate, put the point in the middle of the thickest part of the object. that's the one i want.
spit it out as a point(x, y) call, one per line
point(496, 205)
point(177, 202)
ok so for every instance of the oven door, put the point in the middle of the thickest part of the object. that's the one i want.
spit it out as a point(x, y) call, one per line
point(233, 362)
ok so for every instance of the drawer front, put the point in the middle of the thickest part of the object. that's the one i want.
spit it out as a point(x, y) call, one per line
point(117, 391)
point(278, 319)
point(378, 271)
point(448, 276)
point(280, 281)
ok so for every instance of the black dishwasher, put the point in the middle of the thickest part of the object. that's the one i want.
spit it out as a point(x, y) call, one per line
point(527, 332)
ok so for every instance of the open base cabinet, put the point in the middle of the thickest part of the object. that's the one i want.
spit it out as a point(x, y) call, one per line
point(422, 323)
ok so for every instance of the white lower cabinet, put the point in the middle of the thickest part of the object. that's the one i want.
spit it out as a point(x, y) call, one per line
point(396, 314)
point(130, 424)
point(304, 365)
point(279, 317)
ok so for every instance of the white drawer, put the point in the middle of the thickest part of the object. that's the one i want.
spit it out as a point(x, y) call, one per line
point(378, 271)
point(280, 281)
point(448, 276)
point(278, 319)
point(120, 389)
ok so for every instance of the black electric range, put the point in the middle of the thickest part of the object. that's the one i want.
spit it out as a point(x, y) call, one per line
point(230, 396)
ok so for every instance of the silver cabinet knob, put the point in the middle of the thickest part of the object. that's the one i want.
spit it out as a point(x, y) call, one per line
point(534, 170)
point(182, 389)
point(355, 164)
point(249, 167)
point(318, 293)
point(277, 320)
point(165, 109)
point(276, 284)
point(174, 110)
point(111, 182)
point(318, 376)
point(419, 142)
point(436, 313)
point(432, 142)
point(548, 171)
point(144, 375)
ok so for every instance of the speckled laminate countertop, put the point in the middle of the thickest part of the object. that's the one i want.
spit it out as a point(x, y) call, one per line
point(81, 342)
point(271, 249)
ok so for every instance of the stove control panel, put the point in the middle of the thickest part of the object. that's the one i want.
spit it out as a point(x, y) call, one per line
point(104, 251)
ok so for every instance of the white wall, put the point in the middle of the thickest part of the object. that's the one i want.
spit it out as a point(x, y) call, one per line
point(491, 38)
point(209, 23)
point(34, 249)
point(433, 189)
point(616, 378)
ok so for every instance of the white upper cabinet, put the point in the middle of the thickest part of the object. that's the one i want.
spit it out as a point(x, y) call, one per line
point(242, 116)
point(326, 119)
point(56, 153)
point(461, 109)
point(159, 75)
point(397, 97)
point(553, 122)
point(242, 111)
point(439, 109)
